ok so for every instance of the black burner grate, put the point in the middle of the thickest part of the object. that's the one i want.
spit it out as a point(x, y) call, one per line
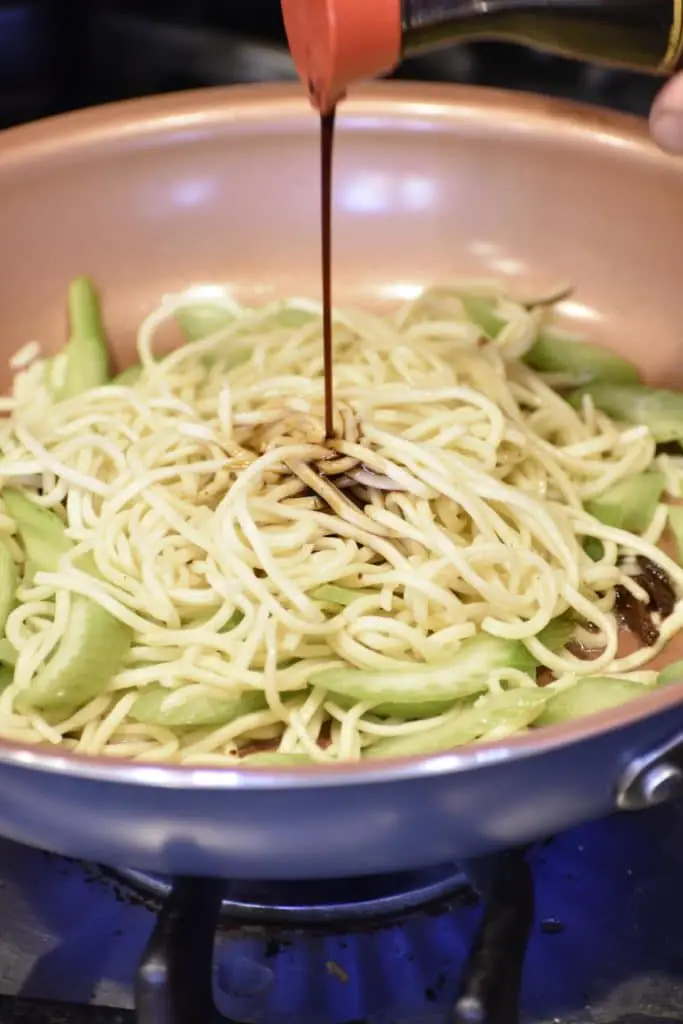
point(174, 983)
point(490, 987)
point(338, 904)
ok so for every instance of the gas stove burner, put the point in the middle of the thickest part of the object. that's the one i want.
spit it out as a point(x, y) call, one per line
point(184, 955)
point(325, 902)
point(606, 944)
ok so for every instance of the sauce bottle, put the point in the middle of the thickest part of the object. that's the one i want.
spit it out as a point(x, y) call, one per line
point(335, 43)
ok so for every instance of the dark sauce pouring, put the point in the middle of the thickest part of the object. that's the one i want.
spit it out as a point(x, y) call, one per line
point(326, 154)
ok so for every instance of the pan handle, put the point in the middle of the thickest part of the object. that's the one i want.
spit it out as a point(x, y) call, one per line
point(653, 778)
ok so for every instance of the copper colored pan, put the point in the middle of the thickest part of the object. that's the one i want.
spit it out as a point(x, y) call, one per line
point(221, 186)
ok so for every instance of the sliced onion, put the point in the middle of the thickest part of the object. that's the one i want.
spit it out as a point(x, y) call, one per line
point(367, 478)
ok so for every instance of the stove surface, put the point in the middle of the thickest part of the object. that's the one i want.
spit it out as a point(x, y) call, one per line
point(606, 946)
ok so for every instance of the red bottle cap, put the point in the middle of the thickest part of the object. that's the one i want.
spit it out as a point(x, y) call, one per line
point(335, 43)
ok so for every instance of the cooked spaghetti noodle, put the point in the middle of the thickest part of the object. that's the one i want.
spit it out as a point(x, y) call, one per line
point(254, 564)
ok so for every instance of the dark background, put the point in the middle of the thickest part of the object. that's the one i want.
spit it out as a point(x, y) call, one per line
point(57, 55)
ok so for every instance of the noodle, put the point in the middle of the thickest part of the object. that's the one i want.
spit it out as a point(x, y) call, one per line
point(208, 516)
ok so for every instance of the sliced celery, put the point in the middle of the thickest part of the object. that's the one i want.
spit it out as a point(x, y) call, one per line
point(94, 643)
point(197, 322)
point(467, 672)
point(631, 503)
point(131, 375)
point(594, 548)
point(481, 310)
point(425, 709)
point(201, 320)
point(8, 653)
point(676, 524)
point(128, 377)
point(292, 318)
point(85, 362)
point(514, 709)
point(9, 577)
point(673, 673)
point(588, 696)
point(333, 594)
point(8, 659)
point(90, 652)
point(274, 759)
point(41, 531)
point(551, 353)
point(659, 410)
point(558, 632)
point(155, 707)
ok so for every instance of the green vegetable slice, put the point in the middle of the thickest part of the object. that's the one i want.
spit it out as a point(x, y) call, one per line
point(631, 503)
point(466, 673)
point(292, 318)
point(333, 594)
point(673, 673)
point(6, 676)
point(676, 524)
point(426, 709)
point(131, 375)
point(202, 320)
point(8, 653)
point(594, 548)
point(94, 643)
point(84, 362)
point(388, 709)
point(558, 632)
point(588, 696)
point(210, 707)
point(552, 353)
point(128, 377)
point(481, 309)
point(90, 652)
point(273, 758)
point(514, 709)
point(659, 410)
point(9, 577)
point(41, 531)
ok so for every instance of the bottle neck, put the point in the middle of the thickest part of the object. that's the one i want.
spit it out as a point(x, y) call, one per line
point(639, 34)
point(430, 22)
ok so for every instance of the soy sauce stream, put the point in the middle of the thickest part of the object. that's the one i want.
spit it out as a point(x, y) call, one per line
point(326, 153)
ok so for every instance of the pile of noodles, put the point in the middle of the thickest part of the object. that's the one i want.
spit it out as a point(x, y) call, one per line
point(212, 509)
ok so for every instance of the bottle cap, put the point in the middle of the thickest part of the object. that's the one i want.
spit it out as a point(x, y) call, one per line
point(335, 43)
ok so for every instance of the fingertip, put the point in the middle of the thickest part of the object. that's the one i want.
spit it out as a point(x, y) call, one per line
point(666, 117)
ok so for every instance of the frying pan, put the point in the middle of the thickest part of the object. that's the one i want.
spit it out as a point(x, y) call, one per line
point(431, 182)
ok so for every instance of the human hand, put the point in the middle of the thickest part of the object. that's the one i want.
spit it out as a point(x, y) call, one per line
point(666, 116)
